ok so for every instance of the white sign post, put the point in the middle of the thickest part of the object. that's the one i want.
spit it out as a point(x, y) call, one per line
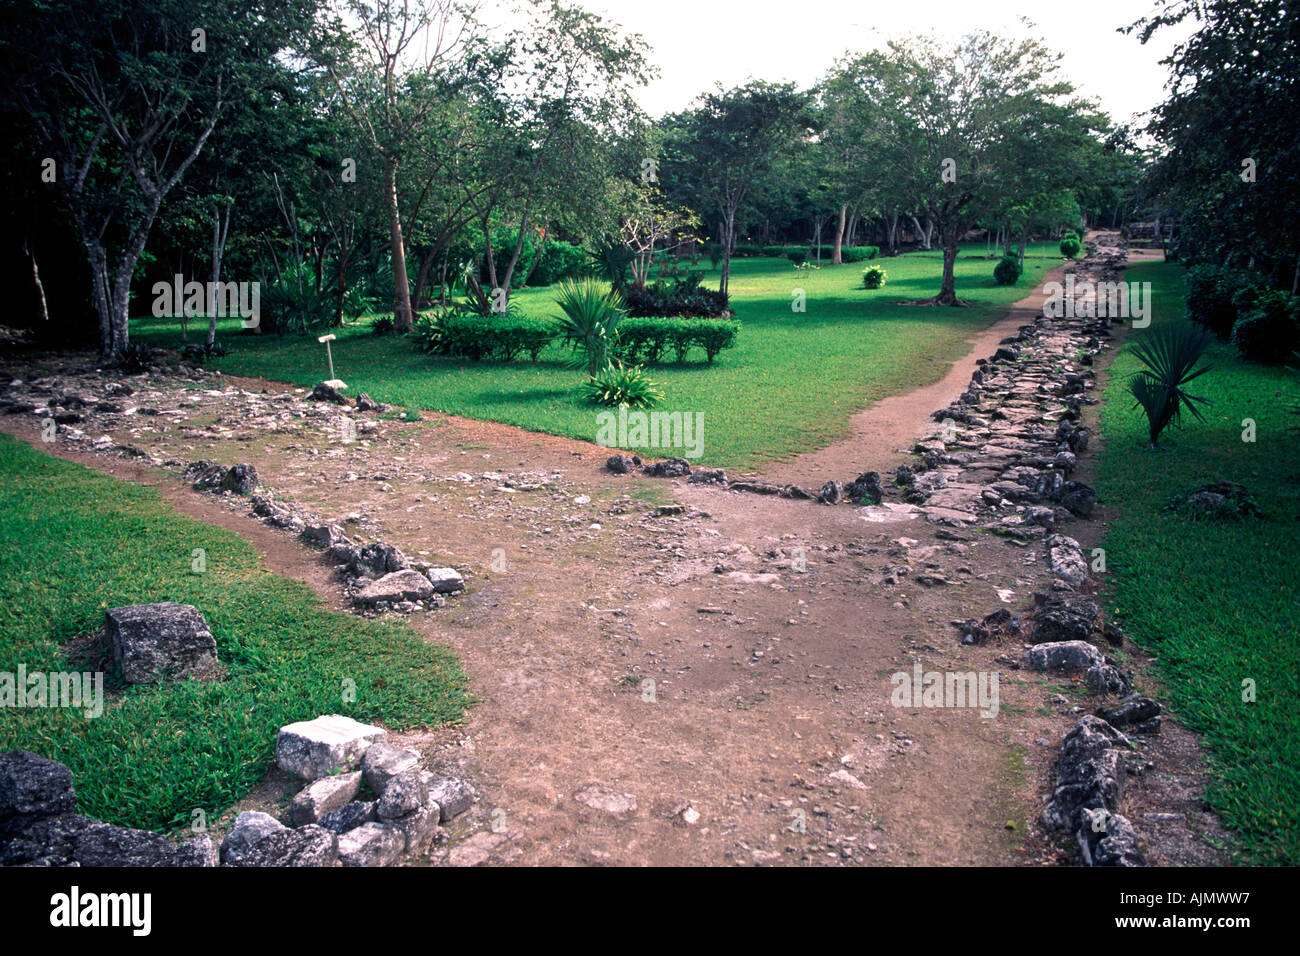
point(332, 381)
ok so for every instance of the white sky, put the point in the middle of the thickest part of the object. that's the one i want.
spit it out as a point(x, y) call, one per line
point(696, 43)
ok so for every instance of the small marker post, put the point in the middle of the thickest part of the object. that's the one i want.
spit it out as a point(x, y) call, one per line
point(327, 339)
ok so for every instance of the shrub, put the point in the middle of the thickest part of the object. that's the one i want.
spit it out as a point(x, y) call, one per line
point(1170, 354)
point(858, 253)
point(873, 277)
point(746, 250)
point(356, 303)
point(647, 340)
point(1008, 271)
point(559, 261)
point(1071, 246)
point(1210, 290)
point(611, 262)
point(1269, 328)
point(683, 297)
point(455, 332)
point(382, 324)
point(592, 311)
point(618, 384)
point(714, 251)
point(198, 354)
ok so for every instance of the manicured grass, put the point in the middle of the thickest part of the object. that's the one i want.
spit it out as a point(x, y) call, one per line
point(1218, 602)
point(790, 385)
point(74, 542)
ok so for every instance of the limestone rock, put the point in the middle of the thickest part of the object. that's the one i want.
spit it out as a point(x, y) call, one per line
point(324, 796)
point(154, 642)
point(311, 749)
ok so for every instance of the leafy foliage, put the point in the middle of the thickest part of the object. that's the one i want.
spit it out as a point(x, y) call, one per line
point(1071, 246)
point(1268, 330)
point(592, 311)
point(648, 340)
point(618, 384)
point(680, 297)
point(874, 277)
point(1170, 354)
point(1008, 271)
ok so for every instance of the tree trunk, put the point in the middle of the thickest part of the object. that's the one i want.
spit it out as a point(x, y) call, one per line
point(36, 278)
point(729, 229)
point(838, 255)
point(893, 233)
point(401, 288)
point(220, 230)
point(948, 291)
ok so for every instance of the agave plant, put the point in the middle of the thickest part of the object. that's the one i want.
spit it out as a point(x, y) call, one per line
point(592, 310)
point(1170, 354)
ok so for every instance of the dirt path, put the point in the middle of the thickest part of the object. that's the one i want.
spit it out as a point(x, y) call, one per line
point(770, 629)
point(882, 435)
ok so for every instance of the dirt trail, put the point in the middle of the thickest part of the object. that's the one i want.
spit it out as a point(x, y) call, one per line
point(770, 629)
point(882, 435)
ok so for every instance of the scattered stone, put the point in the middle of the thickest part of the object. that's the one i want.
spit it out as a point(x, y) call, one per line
point(596, 798)
point(327, 393)
point(832, 493)
point(1106, 680)
point(669, 468)
point(32, 788)
point(371, 844)
point(452, 796)
point(323, 796)
point(1063, 655)
point(311, 845)
point(311, 749)
point(708, 476)
point(622, 464)
point(419, 827)
point(240, 479)
point(250, 827)
point(1140, 713)
point(353, 815)
point(1064, 616)
point(408, 585)
point(446, 580)
point(155, 642)
point(865, 489)
point(1066, 559)
point(326, 536)
point(383, 762)
point(405, 793)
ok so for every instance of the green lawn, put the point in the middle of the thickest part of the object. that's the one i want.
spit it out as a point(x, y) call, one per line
point(1219, 603)
point(74, 542)
point(790, 385)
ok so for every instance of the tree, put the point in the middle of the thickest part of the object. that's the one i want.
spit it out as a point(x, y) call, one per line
point(1231, 145)
point(717, 153)
point(123, 97)
point(967, 126)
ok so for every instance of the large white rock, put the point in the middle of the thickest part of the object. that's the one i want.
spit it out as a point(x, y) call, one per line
point(408, 585)
point(446, 580)
point(383, 762)
point(311, 749)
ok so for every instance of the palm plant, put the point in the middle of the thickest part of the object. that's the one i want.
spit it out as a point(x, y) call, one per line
point(1170, 354)
point(592, 311)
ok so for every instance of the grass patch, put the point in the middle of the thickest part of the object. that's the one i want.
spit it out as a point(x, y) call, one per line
point(74, 542)
point(790, 384)
point(1216, 601)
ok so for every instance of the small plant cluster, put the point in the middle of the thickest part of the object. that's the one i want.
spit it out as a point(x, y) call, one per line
point(382, 324)
point(619, 384)
point(1071, 245)
point(1236, 306)
point(678, 297)
point(1216, 501)
point(198, 354)
point(1008, 271)
point(873, 277)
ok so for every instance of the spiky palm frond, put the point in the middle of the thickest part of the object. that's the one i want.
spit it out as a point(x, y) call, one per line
point(592, 311)
point(1170, 354)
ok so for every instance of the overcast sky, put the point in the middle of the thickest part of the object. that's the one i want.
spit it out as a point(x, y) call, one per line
point(697, 43)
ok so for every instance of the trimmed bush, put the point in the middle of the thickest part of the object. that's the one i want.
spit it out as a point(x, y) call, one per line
point(873, 277)
point(1071, 246)
point(1268, 331)
point(479, 337)
point(1008, 271)
point(858, 253)
point(648, 340)
point(746, 250)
